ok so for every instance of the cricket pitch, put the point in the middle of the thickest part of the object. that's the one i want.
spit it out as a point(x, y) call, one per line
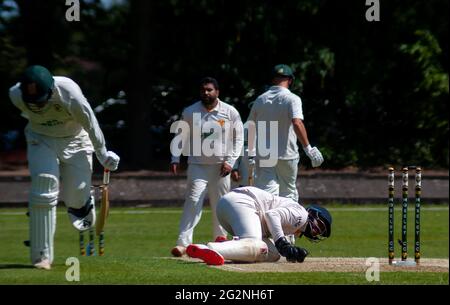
point(331, 264)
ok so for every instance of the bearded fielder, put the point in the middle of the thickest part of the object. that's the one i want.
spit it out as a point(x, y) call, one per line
point(256, 218)
point(62, 133)
point(207, 173)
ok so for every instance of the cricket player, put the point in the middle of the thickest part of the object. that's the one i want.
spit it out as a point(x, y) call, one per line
point(61, 134)
point(207, 173)
point(256, 217)
point(279, 104)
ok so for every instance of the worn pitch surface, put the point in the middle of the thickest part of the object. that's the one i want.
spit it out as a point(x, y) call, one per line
point(333, 264)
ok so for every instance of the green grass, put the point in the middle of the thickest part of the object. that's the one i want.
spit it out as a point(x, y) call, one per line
point(138, 241)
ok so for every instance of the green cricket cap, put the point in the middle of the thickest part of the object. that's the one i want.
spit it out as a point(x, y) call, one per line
point(283, 70)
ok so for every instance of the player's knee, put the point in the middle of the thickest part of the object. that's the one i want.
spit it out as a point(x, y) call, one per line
point(83, 209)
point(44, 190)
point(76, 198)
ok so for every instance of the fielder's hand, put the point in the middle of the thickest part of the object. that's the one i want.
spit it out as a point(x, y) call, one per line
point(235, 176)
point(225, 169)
point(293, 254)
point(174, 168)
point(314, 154)
point(108, 159)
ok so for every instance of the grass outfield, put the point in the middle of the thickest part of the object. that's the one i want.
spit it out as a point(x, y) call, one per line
point(138, 241)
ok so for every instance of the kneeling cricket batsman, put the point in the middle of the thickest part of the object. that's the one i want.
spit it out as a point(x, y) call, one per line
point(256, 218)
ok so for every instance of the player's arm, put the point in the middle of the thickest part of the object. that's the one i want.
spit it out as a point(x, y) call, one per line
point(300, 131)
point(274, 220)
point(302, 135)
point(15, 97)
point(83, 114)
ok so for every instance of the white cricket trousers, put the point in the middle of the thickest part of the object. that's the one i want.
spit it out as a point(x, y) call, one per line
point(238, 215)
point(201, 179)
point(49, 159)
point(280, 179)
point(68, 158)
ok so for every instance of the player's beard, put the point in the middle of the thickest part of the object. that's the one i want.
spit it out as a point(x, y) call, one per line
point(209, 101)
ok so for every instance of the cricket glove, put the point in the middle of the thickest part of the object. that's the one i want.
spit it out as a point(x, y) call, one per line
point(108, 159)
point(293, 254)
point(314, 154)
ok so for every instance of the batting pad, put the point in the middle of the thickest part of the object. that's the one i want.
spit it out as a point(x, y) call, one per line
point(42, 232)
point(243, 250)
point(42, 206)
point(273, 255)
point(44, 190)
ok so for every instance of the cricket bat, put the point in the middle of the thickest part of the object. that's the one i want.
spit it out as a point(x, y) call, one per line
point(104, 211)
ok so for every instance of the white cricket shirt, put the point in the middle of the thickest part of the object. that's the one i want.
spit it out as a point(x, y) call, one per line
point(279, 216)
point(281, 105)
point(222, 117)
point(67, 114)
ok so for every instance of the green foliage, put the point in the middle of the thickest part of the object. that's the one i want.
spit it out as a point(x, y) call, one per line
point(373, 93)
point(424, 54)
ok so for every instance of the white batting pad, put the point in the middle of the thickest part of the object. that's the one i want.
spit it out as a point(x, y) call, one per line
point(42, 206)
point(243, 250)
point(273, 255)
point(42, 232)
point(44, 190)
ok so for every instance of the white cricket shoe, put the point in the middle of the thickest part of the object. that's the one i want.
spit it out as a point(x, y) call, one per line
point(178, 251)
point(43, 264)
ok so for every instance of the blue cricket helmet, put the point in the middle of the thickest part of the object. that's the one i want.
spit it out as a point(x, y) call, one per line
point(324, 215)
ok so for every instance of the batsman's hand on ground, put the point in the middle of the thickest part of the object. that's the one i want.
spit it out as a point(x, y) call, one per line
point(225, 169)
point(314, 154)
point(108, 159)
point(174, 168)
point(293, 254)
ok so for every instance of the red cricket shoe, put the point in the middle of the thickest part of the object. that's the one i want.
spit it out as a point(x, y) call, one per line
point(221, 238)
point(209, 256)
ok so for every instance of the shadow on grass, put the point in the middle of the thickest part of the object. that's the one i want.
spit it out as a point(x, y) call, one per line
point(15, 266)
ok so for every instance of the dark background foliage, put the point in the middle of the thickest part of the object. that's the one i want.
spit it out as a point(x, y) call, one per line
point(374, 93)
